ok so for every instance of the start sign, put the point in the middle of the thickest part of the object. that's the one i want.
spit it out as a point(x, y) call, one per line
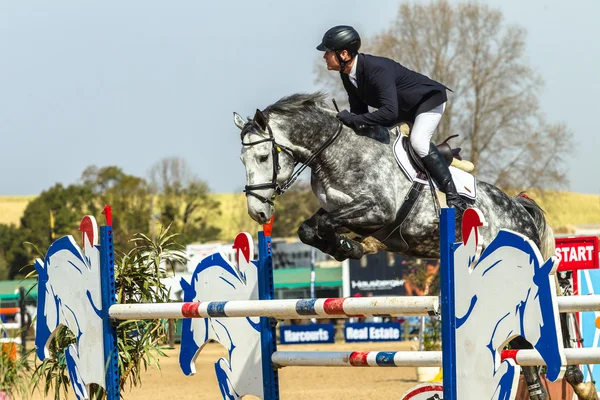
point(575, 253)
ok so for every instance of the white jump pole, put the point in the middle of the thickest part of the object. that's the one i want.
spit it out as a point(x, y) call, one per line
point(571, 304)
point(357, 359)
point(414, 358)
point(311, 308)
point(338, 308)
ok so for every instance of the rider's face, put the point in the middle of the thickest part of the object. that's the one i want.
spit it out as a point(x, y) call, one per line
point(332, 62)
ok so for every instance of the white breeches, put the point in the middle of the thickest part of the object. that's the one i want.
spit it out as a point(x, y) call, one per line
point(422, 130)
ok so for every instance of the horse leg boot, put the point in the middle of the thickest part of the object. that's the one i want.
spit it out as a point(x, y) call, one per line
point(536, 390)
point(307, 232)
point(439, 171)
point(318, 234)
point(343, 247)
point(352, 216)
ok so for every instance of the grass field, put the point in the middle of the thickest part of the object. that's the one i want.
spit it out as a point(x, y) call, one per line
point(564, 210)
point(234, 216)
point(12, 208)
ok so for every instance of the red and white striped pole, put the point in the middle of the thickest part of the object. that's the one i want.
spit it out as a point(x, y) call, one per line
point(414, 358)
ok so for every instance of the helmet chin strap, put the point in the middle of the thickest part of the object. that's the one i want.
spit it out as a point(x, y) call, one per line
point(342, 62)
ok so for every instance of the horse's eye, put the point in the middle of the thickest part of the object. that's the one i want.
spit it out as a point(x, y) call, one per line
point(263, 159)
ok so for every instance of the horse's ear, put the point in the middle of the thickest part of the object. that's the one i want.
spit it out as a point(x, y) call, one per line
point(260, 119)
point(238, 120)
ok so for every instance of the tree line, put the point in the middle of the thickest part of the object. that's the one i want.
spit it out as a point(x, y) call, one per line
point(171, 195)
point(139, 204)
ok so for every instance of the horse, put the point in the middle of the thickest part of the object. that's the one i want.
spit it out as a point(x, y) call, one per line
point(359, 185)
point(506, 291)
point(69, 295)
point(215, 278)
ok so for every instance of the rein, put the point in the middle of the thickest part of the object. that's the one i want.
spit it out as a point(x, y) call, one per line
point(281, 189)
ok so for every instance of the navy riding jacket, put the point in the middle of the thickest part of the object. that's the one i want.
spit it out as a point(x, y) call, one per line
point(398, 93)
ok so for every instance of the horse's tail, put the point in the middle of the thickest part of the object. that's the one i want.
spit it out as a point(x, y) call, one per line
point(546, 235)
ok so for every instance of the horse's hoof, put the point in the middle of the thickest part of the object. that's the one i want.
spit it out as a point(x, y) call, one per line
point(370, 245)
point(586, 391)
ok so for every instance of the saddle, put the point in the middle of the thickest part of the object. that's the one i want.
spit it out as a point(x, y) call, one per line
point(452, 158)
point(451, 155)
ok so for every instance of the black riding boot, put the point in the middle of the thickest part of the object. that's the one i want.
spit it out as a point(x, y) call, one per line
point(439, 171)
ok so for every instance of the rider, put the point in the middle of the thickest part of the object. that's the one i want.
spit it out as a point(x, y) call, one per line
point(398, 93)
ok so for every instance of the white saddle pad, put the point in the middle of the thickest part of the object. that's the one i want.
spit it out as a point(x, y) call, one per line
point(464, 181)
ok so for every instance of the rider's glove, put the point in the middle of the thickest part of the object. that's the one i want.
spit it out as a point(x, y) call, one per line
point(347, 118)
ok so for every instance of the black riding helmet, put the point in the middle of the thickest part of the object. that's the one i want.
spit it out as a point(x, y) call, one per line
point(341, 37)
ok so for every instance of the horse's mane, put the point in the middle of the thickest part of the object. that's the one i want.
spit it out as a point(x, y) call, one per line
point(298, 103)
point(309, 110)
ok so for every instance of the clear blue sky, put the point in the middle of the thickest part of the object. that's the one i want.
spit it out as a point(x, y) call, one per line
point(127, 83)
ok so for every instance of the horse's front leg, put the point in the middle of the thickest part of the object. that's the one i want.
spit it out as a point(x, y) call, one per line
point(309, 234)
point(361, 215)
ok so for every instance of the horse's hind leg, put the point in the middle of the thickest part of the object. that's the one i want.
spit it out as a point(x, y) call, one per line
point(532, 374)
point(573, 375)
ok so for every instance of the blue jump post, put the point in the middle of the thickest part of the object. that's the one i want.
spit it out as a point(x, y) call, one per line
point(266, 291)
point(109, 297)
point(447, 238)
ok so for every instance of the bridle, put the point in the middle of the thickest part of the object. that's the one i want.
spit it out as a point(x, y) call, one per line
point(275, 150)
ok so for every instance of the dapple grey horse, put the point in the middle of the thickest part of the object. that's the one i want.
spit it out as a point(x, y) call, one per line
point(360, 187)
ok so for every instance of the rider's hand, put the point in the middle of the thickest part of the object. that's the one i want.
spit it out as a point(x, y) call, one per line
point(346, 117)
